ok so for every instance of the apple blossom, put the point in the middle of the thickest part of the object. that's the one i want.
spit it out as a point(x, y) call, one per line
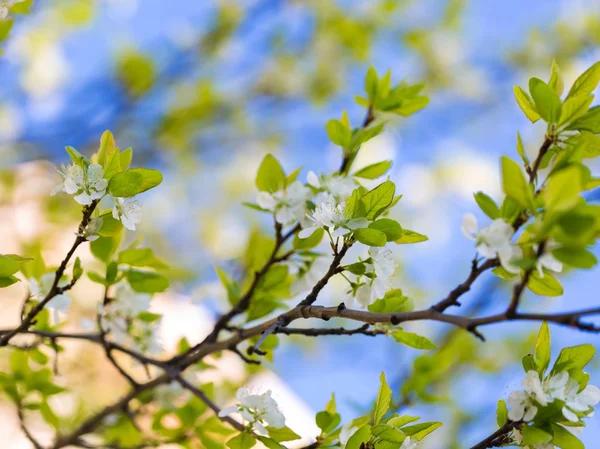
point(260, 410)
point(128, 211)
point(86, 182)
point(288, 204)
point(330, 216)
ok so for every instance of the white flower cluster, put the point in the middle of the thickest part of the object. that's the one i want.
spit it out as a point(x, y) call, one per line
point(39, 289)
point(382, 268)
point(287, 204)
point(121, 323)
point(87, 183)
point(260, 410)
point(537, 393)
point(495, 240)
point(331, 216)
point(4, 7)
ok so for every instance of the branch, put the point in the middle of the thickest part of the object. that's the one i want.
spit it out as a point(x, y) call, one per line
point(54, 289)
point(316, 332)
point(204, 398)
point(25, 430)
point(499, 437)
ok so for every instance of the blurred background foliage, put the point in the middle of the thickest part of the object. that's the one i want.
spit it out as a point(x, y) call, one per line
point(202, 90)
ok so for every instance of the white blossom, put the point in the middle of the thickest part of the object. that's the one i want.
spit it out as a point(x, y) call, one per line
point(576, 401)
point(288, 204)
point(128, 211)
point(5, 6)
point(38, 290)
point(494, 240)
point(127, 302)
point(260, 410)
point(328, 215)
point(548, 261)
point(384, 267)
point(87, 183)
point(135, 334)
point(337, 187)
point(90, 233)
point(408, 443)
point(521, 407)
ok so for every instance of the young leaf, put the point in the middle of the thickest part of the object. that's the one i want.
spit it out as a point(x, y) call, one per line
point(370, 237)
point(147, 281)
point(556, 80)
point(392, 301)
point(338, 133)
point(309, 242)
point(421, 430)
point(241, 441)
point(533, 435)
point(358, 438)
point(526, 104)
point(565, 439)
point(378, 199)
point(134, 181)
point(283, 434)
point(373, 171)
point(487, 205)
point(545, 286)
point(270, 176)
point(515, 185)
point(521, 149)
point(575, 107)
point(409, 236)
point(501, 413)
point(371, 82)
point(574, 357)
point(391, 228)
point(587, 82)
point(576, 257)
point(382, 403)
point(542, 349)
point(413, 340)
point(547, 102)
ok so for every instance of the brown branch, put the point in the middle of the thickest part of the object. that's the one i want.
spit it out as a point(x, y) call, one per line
point(204, 398)
point(349, 158)
point(54, 289)
point(317, 332)
point(499, 437)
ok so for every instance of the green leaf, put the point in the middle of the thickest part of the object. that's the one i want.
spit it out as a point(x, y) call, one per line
point(533, 435)
point(126, 157)
point(515, 185)
point(501, 413)
point(7, 281)
point(359, 437)
point(233, 290)
point(413, 340)
point(370, 237)
point(526, 104)
point(392, 301)
point(104, 248)
point(409, 236)
point(556, 80)
point(576, 257)
point(49, 416)
point(270, 176)
point(388, 433)
point(542, 349)
point(562, 190)
point(327, 422)
point(355, 208)
point(110, 225)
point(140, 257)
point(547, 102)
point(587, 82)
point(545, 286)
point(521, 149)
point(77, 270)
point(421, 430)
point(402, 420)
point(338, 133)
point(574, 357)
point(503, 274)
point(357, 268)
point(134, 181)
point(565, 439)
point(487, 205)
point(575, 107)
point(378, 199)
point(371, 82)
point(590, 121)
point(374, 171)
point(77, 157)
point(8, 265)
point(382, 403)
point(107, 148)
point(391, 228)
point(241, 441)
point(283, 434)
point(269, 443)
point(528, 363)
point(309, 242)
point(147, 281)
